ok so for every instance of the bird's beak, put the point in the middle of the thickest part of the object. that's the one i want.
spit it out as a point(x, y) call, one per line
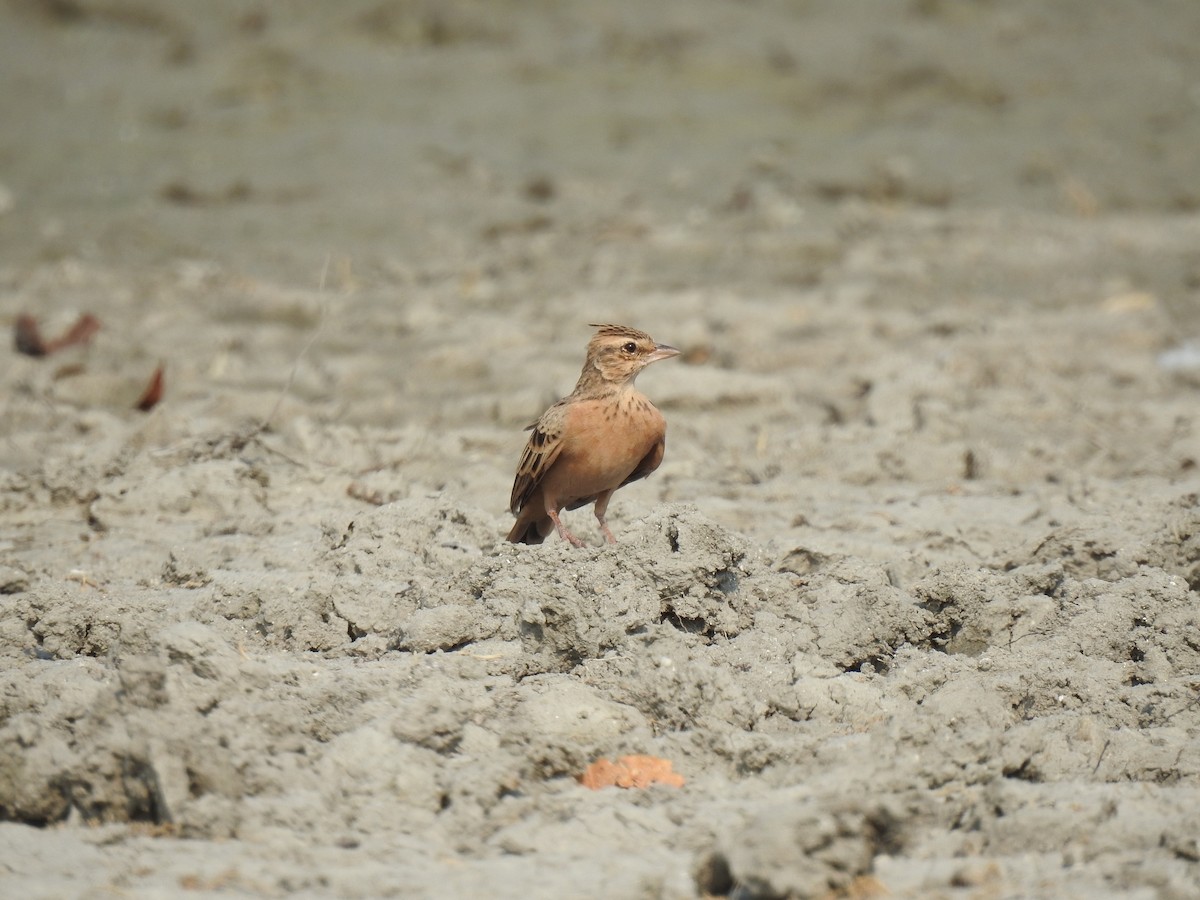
point(661, 351)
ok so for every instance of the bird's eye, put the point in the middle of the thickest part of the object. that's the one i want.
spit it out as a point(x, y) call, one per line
point(631, 347)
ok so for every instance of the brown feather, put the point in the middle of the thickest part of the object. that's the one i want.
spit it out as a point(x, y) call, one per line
point(539, 455)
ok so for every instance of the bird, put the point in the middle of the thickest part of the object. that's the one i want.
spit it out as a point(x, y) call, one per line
point(603, 436)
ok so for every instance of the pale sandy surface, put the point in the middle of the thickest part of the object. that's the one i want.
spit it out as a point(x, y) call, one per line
point(910, 603)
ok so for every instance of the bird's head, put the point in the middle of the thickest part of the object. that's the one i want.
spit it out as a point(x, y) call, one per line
point(616, 353)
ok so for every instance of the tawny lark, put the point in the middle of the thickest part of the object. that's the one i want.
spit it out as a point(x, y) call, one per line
point(586, 446)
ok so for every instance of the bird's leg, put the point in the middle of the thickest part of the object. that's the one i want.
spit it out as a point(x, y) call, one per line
point(562, 529)
point(601, 509)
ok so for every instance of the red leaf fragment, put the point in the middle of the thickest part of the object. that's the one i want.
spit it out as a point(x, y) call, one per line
point(153, 392)
point(27, 336)
point(81, 332)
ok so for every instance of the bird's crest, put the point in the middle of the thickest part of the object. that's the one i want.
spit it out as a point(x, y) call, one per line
point(620, 331)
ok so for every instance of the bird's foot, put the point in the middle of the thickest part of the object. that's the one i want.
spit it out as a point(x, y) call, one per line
point(570, 538)
point(608, 535)
point(562, 531)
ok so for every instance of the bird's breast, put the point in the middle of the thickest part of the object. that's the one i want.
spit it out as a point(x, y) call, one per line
point(607, 438)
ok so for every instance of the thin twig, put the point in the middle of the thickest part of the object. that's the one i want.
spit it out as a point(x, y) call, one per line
point(312, 339)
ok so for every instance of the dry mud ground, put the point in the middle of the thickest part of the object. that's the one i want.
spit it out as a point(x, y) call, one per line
point(911, 604)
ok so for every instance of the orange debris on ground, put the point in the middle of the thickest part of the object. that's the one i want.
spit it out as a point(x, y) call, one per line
point(630, 772)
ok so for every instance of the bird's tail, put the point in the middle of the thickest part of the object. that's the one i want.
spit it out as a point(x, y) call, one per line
point(532, 530)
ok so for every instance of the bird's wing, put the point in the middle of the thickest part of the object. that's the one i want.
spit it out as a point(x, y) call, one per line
point(539, 455)
point(649, 463)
